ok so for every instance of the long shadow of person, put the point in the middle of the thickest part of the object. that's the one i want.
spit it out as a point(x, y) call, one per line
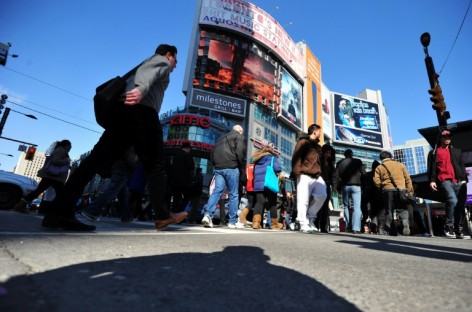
point(239, 278)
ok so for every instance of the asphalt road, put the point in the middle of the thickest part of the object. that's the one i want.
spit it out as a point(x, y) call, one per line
point(132, 267)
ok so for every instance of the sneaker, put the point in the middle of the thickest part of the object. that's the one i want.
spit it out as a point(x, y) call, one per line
point(406, 227)
point(174, 219)
point(207, 222)
point(69, 224)
point(449, 231)
point(89, 216)
point(313, 226)
point(236, 225)
point(306, 229)
point(291, 226)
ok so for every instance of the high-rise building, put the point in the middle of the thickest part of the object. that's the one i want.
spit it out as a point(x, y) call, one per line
point(414, 155)
point(30, 168)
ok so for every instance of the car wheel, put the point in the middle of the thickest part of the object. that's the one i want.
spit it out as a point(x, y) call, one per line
point(9, 196)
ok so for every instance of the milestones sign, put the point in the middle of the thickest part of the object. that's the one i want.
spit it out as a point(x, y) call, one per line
point(219, 103)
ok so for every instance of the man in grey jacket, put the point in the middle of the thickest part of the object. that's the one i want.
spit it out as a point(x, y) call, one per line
point(135, 123)
point(229, 159)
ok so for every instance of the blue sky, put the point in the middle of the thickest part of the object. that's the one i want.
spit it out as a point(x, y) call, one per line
point(76, 45)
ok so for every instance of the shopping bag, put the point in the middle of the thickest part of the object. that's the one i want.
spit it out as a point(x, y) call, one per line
point(271, 180)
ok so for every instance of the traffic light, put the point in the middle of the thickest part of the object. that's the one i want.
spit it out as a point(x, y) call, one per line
point(30, 153)
point(437, 98)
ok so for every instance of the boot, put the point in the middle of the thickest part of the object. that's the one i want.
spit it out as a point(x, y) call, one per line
point(275, 224)
point(242, 216)
point(21, 206)
point(256, 222)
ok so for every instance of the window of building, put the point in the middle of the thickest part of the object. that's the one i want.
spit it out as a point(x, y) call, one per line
point(421, 159)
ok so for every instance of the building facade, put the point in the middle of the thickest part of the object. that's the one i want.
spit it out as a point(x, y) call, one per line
point(414, 155)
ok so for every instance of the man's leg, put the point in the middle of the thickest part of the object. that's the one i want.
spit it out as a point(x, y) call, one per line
point(303, 197)
point(357, 214)
point(346, 193)
point(232, 181)
point(216, 195)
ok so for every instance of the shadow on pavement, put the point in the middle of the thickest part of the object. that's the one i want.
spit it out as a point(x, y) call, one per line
point(238, 278)
point(399, 245)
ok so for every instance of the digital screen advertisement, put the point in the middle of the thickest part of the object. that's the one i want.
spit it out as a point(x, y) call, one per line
point(357, 121)
point(291, 99)
point(234, 65)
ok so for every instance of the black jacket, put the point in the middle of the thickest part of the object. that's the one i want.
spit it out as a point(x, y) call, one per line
point(229, 151)
point(349, 171)
point(182, 169)
point(457, 164)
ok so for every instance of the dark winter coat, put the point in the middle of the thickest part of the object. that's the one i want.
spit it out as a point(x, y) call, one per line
point(349, 171)
point(260, 170)
point(182, 169)
point(229, 152)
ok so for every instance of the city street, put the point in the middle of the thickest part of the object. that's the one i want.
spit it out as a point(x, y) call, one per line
point(132, 267)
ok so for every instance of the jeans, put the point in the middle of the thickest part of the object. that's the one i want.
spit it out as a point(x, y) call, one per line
point(225, 178)
point(116, 186)
point(307, 187)
point(455, 199)
point(352, 192)
point(135, 126)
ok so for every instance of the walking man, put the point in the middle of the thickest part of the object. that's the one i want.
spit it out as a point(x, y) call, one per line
point(446, 172)
point(389, 176)
point(306, 167)
point(348, 179)
point(229, 159)
point(135, 123)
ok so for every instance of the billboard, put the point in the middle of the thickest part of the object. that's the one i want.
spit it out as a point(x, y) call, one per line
point(291, 99)
point(230, 64)
point(357, 121)
point(326, 109)
point(250, 20)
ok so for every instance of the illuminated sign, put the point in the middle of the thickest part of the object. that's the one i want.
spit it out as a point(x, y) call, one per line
point(218, 102)
point(203, 122)
point(193, 144)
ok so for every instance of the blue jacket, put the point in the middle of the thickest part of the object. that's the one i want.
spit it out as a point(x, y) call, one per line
point(260, 169)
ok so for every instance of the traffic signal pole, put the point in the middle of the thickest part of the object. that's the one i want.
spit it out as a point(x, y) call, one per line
point(441, 113)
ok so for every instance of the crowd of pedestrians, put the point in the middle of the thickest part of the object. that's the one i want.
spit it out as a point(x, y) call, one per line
point(130, 154)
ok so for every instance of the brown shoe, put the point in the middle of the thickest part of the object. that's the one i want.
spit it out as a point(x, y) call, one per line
point(174, 219)
point(21, 206)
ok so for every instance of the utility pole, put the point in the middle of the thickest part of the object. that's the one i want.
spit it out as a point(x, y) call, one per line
point(437, 97)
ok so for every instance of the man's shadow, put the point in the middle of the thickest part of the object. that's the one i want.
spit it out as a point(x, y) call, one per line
point(239, 278)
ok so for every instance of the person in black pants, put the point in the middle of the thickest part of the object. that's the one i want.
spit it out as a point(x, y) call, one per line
point(134, 124)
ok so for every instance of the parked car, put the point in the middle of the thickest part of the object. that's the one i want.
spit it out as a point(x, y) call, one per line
point(13, 187)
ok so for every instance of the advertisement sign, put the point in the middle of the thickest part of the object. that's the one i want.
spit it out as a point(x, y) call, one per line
point(248, 19)
point(230, 64)
point(358, 137)
point(291, 99)
point(218, 102)
point(313, 89)
point(357, 121)
point(326, 109)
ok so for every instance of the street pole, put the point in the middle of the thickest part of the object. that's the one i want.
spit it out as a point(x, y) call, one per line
point(433, 77)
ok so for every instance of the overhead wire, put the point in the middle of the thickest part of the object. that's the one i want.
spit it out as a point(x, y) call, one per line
point(71, 123)
point(454, 43)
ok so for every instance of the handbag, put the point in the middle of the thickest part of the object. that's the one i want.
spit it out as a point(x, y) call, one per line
point(401, 194)
point(53, 170)
point(271, 180)
point(107, 96)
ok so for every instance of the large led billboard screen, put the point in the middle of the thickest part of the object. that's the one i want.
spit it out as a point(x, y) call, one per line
point(233, 65)
point(292, 97)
